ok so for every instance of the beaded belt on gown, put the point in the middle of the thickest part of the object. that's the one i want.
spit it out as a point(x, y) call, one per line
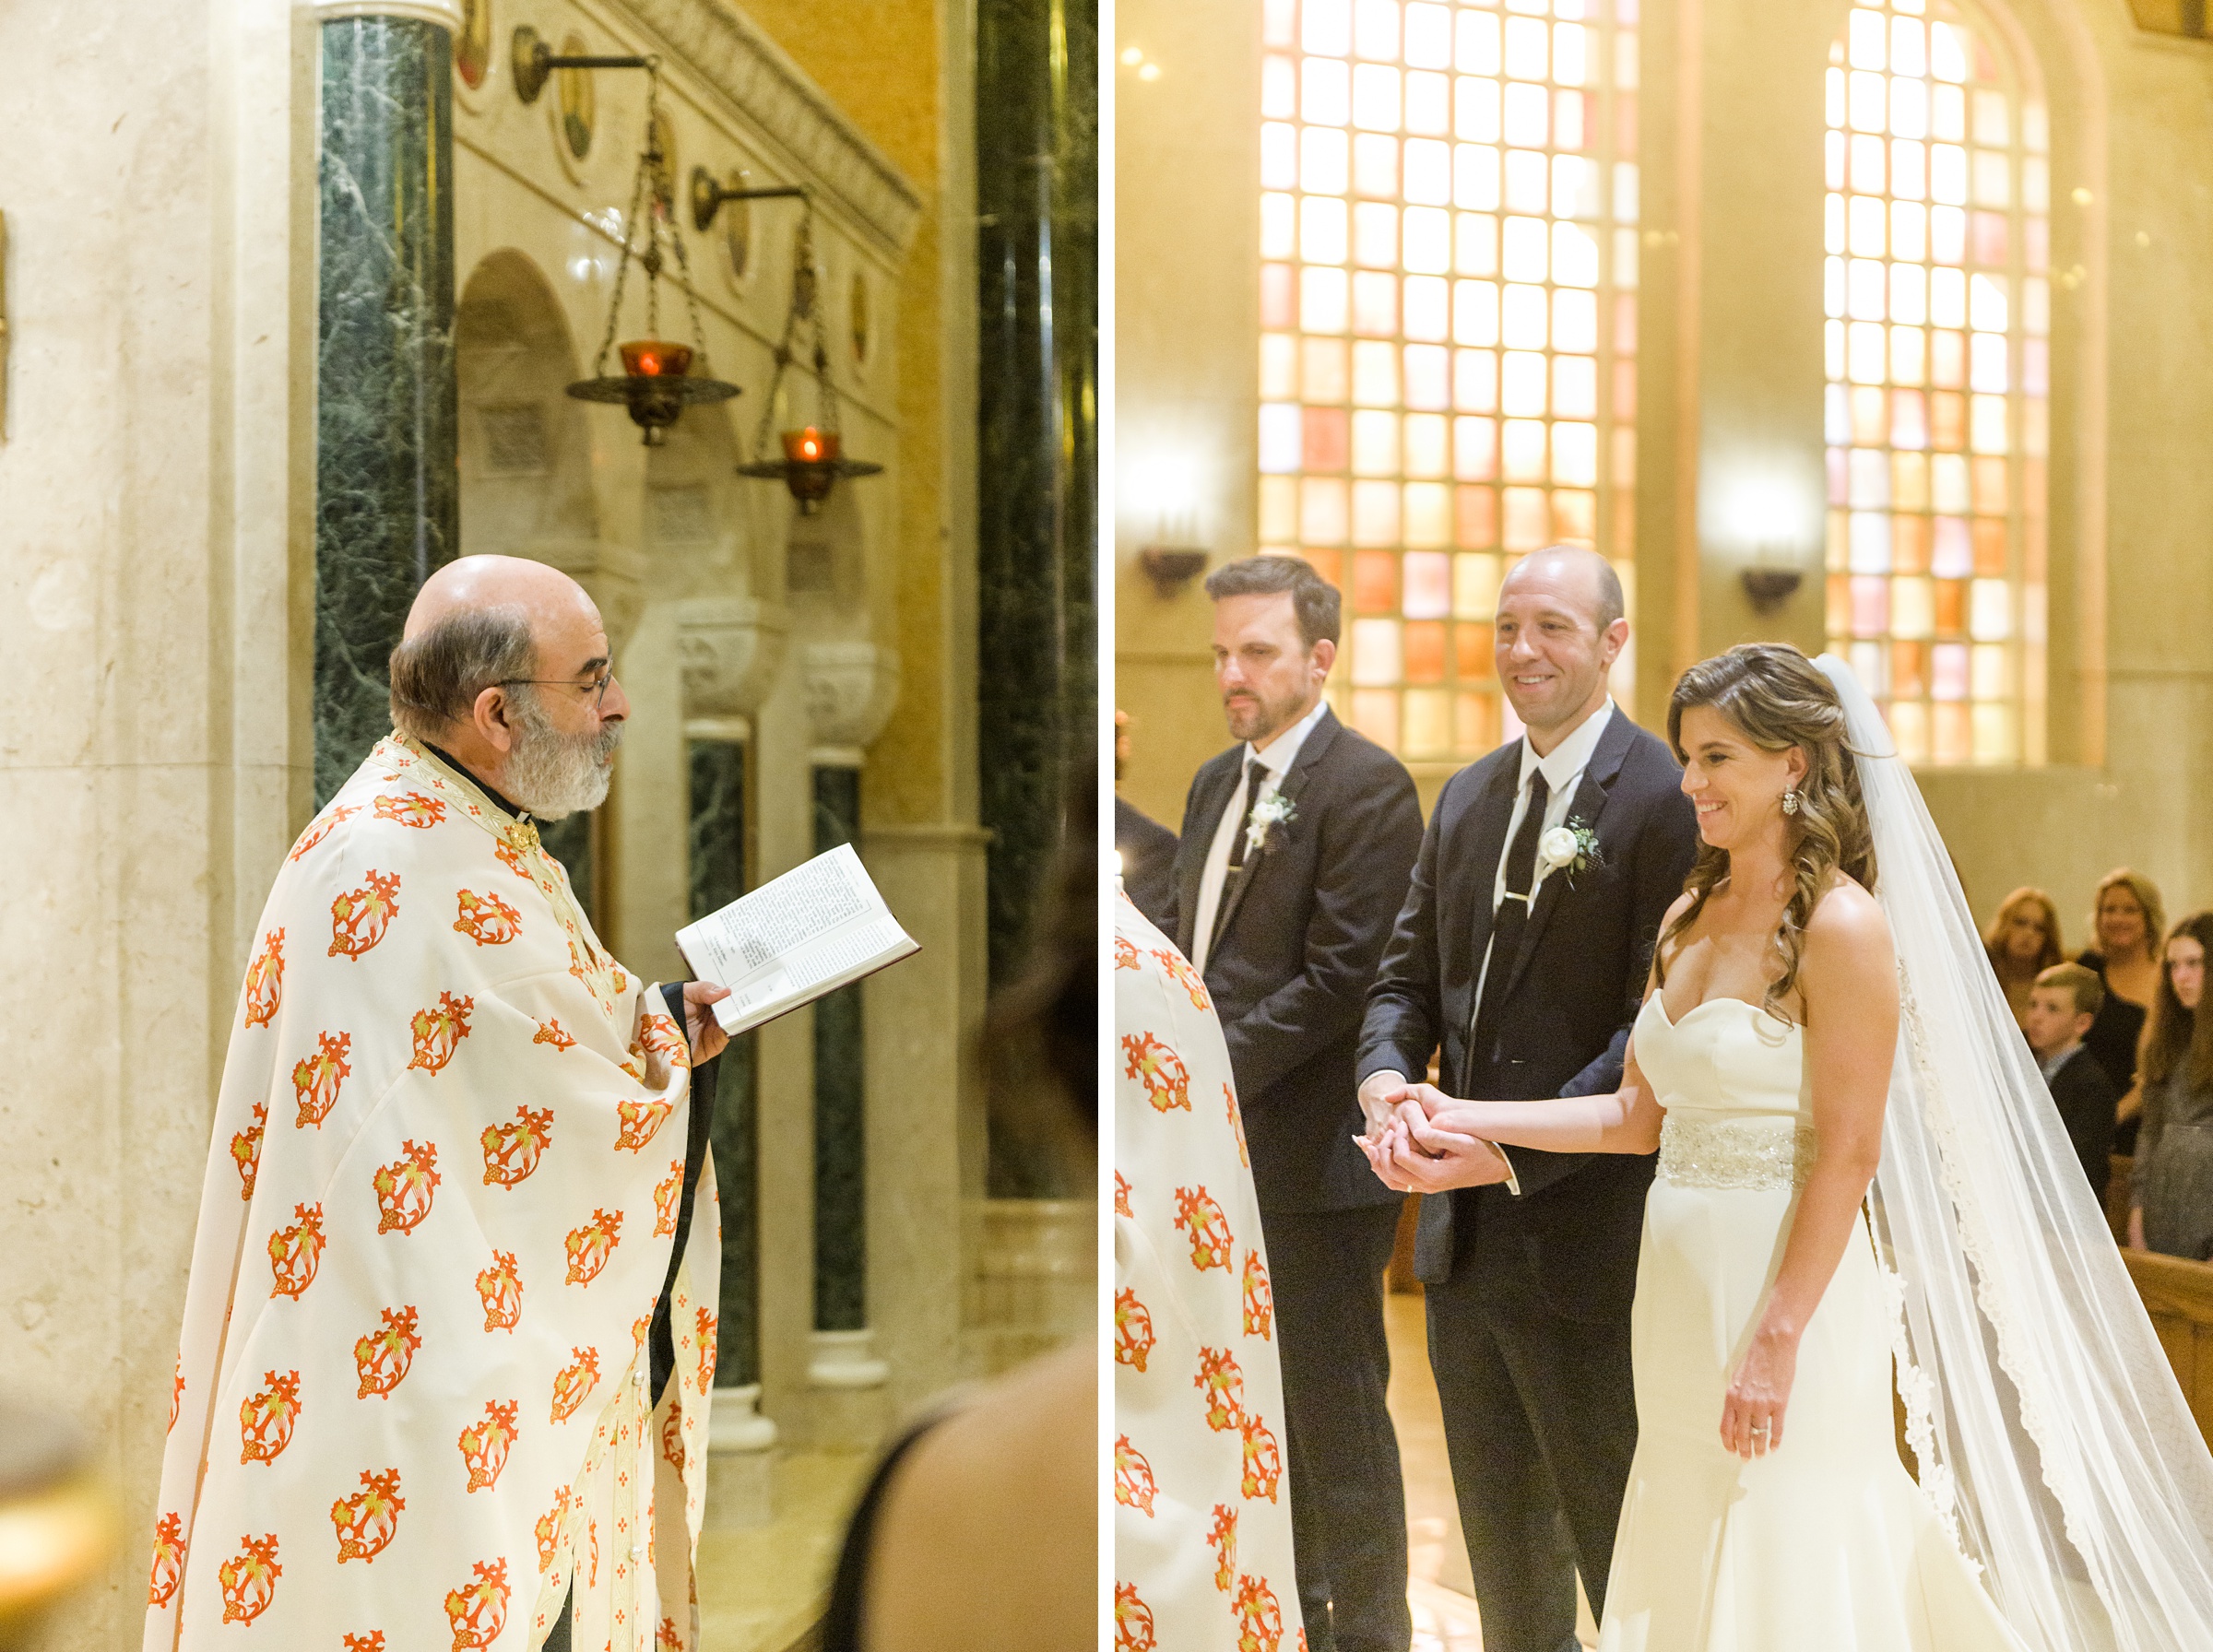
point(1736, 1152)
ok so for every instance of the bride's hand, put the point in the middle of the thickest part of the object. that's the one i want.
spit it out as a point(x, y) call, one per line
point(1752, 1412)
point(1376, 1148)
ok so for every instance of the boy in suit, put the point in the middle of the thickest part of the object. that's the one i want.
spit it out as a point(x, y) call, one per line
point(2063, 1003)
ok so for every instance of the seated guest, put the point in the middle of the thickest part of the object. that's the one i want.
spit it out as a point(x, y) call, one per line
point(2062, 1008)
point(2023, 942)
point(2127, 918)
point(2170, 1193)
point(1146, 847)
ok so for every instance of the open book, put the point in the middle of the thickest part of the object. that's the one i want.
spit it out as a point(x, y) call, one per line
point(794, 939)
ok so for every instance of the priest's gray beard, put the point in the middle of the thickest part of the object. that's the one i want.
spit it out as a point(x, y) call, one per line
point(552, 774)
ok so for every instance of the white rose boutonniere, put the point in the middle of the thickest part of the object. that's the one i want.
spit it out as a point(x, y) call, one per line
point(1570, 848)
point(1274, 810)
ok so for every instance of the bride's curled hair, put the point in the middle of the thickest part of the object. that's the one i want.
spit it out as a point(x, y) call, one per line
point(1777, 699)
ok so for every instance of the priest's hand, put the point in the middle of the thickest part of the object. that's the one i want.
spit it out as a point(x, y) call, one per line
point(700, 1025)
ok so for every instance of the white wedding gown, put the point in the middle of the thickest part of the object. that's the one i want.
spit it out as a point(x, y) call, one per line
point(1825, 1544)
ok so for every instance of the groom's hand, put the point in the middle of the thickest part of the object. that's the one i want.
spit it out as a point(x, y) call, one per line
point(1383, 1098)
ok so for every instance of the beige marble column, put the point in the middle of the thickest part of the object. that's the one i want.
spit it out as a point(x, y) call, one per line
point(154, 470)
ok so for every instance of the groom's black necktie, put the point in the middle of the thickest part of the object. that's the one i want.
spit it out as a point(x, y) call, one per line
point(1513, 915)
point(1245, 801)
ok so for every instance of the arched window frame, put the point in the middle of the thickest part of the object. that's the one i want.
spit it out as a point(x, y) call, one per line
point(1389, 455)
point(1938, 542)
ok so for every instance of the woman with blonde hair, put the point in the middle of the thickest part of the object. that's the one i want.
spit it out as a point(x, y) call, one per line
point(1811, 1028)
point(2023, 942)
point(2170, 1195)
point(2126, 921)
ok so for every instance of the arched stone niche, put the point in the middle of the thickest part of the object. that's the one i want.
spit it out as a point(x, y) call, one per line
point(525, 447)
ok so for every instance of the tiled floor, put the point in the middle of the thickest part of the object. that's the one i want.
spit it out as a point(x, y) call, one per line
point(762, 1590)
point(1439, 1590)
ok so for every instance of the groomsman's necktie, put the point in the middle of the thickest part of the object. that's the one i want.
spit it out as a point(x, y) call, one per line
point(1513, 915)
point(1245, 801)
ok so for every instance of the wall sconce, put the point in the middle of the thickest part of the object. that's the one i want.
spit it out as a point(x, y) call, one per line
point(1769, 580)
point(1171, 567)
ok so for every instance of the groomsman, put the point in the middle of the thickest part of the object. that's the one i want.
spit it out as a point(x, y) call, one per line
point(1296, 846)
point(1528, 975)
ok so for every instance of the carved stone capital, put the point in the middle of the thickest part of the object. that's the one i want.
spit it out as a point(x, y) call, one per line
point(731, 647)
point(851, 688)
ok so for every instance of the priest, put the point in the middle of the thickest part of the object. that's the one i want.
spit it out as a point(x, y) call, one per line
point(443, 1370)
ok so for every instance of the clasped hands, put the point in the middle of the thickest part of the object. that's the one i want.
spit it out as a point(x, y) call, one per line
point(1417, 1140)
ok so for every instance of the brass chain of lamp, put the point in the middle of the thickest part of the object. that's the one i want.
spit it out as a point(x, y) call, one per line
point(629, 223)
point(802, 309)
point(657, 381)
point(812, 461)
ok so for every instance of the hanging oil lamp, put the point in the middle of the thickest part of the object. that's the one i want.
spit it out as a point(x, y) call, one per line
point(657, 382)
point(814, 459)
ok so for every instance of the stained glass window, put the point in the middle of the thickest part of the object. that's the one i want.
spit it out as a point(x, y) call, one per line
point(1938, 368)
point(1448, 327)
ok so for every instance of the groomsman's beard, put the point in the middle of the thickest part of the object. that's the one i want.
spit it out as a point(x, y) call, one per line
point(1251, 716)
point(550, 774)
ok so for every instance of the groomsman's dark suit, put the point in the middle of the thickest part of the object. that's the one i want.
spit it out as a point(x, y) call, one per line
point(1528, 1294)
point(1298, 931)
point(2087, 1101)
point(1148, 852)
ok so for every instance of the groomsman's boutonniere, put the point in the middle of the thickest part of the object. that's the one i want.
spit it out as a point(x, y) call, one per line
point(1274, 810)
point(1570, 848)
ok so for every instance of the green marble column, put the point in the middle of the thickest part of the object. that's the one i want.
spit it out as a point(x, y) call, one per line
point(841, 1236)
point(718, 866)
point(387, 494)
point(1036, 114)
point(1037, 143)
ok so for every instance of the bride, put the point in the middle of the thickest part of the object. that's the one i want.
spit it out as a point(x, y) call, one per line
point(1830, 1194)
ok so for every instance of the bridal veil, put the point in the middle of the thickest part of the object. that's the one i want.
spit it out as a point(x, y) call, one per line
point(2050, 1432)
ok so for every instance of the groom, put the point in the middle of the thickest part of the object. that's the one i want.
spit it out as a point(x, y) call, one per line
point(1523, 949)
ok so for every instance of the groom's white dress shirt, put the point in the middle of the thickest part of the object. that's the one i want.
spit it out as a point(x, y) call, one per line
point(1275, 763)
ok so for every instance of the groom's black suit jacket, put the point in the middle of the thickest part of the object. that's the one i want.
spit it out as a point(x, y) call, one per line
point(1575, 982)
point(1296, 937)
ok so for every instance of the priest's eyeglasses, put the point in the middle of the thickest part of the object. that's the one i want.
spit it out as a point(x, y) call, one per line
point(596, 687)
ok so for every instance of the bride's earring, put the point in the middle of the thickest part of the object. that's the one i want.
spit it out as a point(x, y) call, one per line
point(1790, 801)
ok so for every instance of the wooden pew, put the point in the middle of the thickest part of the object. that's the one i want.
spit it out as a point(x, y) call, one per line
point(2178, 1294)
